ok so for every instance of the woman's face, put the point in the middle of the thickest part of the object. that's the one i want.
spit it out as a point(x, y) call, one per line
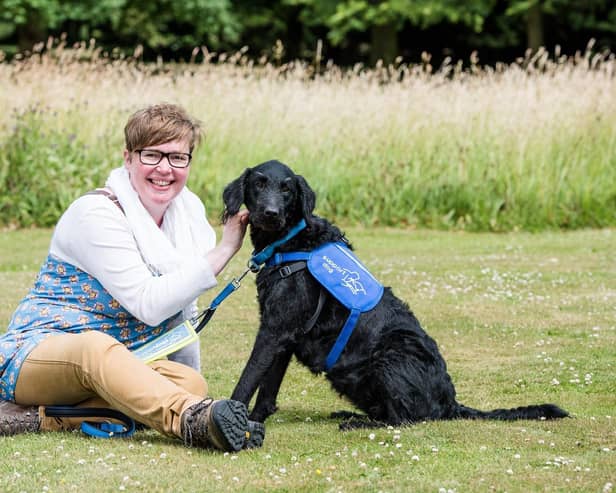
point(157, 185)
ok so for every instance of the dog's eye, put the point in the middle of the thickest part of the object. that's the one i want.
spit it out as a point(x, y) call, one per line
point(284, 188)
point(260, 184)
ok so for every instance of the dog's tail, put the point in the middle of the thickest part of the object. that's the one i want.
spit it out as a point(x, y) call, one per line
point(539, 412)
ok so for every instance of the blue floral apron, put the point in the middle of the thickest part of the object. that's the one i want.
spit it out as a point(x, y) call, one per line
point(65, 299)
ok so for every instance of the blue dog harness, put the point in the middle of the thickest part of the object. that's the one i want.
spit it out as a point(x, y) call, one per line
point(333, 265)
point(339, 271)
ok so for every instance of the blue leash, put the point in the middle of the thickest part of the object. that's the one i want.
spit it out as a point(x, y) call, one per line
point(98, 430)
point(254, 265)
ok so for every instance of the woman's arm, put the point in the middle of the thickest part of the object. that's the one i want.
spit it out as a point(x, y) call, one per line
point(94, 235)
point(232, 237)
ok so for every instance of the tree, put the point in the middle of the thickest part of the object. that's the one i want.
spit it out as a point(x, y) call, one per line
point(384, 19)
point(591, 15)
point(30, 21)
point(351, 30)
point(155, 24)
point(173, 25)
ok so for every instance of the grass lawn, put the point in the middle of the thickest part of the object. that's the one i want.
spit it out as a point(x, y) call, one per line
point(520, 318)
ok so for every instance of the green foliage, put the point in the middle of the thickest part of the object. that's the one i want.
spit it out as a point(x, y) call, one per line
point(160, 24)
point(171, 24)
point(591, 14)
point(45, 165)
point(360, 15)
point(350, 28)
point(54, 13)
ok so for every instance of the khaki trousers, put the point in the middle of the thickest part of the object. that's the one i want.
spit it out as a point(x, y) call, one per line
point(92, 369)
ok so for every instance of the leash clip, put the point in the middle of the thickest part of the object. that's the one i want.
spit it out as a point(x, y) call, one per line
point(253, 266)
point(236, 281)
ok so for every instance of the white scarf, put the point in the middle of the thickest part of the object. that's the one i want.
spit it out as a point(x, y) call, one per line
point(185, 230)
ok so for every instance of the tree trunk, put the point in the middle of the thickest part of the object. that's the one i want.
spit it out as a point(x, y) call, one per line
point(384, 43)
point(32, 32)
point(534, 28)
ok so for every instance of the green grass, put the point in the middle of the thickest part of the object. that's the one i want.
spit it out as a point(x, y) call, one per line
point(521, 318)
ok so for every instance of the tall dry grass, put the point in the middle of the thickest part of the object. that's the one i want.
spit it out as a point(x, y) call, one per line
point(528, 145)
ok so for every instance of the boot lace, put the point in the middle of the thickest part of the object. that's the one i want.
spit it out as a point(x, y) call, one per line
point(195, 420)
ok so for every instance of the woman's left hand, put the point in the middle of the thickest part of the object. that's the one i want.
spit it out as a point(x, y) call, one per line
point(234, 230)
point(233, 233)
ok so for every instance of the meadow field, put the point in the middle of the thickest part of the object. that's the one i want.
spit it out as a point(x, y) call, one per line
point(521, 318)
point(486, 197)
point(526, 146)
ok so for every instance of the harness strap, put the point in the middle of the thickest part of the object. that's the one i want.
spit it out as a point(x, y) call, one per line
point(290, 269)
point(315, 316)
point(349, 326)
point(258, 259)
point(281, 258)
point(343, 338)
point(350, 323)
point(99, 430)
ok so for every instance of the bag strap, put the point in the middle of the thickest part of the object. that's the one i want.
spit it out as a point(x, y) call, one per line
point(99, 430)
point(106, 193)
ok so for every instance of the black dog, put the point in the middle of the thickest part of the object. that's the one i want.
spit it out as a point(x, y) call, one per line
point(390, 368)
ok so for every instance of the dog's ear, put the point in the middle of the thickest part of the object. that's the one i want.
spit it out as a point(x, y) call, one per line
point(307, 198)
point(233, 196)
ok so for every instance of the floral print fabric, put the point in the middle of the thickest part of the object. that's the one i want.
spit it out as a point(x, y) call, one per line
point(65, 299)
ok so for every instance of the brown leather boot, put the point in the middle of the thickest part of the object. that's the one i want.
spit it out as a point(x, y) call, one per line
point(220, 424)
point(15, 419)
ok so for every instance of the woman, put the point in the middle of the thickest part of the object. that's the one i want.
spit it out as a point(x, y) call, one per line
point(126, 263)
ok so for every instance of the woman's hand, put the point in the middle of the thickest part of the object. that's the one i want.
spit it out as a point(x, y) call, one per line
point(233, 233)
point(234, 230)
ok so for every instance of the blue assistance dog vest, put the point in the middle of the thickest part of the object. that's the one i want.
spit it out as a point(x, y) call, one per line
point(345, 277)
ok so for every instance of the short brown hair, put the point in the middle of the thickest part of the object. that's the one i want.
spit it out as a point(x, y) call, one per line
point(159, 124)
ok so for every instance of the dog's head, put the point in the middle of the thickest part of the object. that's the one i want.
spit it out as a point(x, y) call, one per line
point(274, 195)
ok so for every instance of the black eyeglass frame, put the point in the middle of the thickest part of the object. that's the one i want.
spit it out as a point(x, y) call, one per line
point(163, 155)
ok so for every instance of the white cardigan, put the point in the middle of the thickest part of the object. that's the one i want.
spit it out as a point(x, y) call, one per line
point(94, 235)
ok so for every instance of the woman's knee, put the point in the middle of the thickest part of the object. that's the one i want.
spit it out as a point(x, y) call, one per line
point(184, 376)
point(95, 344)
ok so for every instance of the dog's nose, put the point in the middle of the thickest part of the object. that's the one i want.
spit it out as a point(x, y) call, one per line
point(271, 212)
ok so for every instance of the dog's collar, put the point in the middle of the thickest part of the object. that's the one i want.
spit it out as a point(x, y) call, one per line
point(258, 259)
point(254, 265)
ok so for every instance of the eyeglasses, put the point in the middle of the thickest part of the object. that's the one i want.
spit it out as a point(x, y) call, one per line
point(152, 158)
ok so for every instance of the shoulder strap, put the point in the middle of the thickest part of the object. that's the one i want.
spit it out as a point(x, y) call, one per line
point(107, 193)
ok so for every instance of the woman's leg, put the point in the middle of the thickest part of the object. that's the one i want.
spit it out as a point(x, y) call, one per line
point(189, 380)
point(74, 368)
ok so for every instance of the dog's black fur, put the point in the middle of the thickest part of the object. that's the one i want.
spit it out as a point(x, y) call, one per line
point(390, 369)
